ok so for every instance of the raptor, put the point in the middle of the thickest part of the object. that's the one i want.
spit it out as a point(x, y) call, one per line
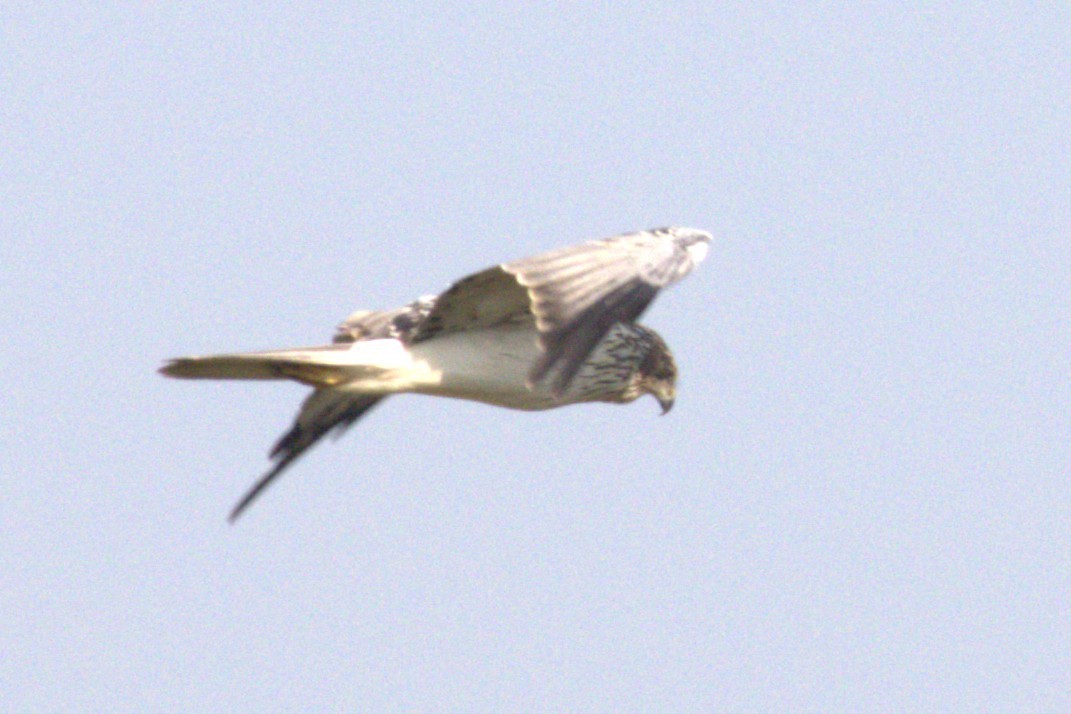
point(538, 333)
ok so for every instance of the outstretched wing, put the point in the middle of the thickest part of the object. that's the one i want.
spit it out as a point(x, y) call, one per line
point(574, 295)
point(579, 293)
point(327, 410)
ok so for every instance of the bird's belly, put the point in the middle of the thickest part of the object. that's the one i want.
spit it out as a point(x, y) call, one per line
point(488, 366)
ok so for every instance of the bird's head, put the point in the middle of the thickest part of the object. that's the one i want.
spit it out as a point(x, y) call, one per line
point(657, 373)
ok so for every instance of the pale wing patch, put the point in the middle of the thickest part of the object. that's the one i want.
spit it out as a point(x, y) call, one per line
point(483, 300)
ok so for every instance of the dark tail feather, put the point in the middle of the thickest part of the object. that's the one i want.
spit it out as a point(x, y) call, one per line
point(323, 411)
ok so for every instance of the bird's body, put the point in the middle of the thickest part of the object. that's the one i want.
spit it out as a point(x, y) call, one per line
point(539, 333)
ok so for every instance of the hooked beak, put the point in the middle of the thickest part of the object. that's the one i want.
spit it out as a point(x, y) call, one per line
point(666, 399)
point(661, 389)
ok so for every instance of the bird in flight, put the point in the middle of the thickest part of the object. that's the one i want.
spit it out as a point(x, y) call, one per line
point(537, 333)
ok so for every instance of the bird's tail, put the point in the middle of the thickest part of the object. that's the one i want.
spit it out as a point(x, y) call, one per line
point(324, 366)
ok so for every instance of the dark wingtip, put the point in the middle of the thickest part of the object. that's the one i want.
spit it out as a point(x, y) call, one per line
point(258, 488)
point(240, 507)
point(299, 439)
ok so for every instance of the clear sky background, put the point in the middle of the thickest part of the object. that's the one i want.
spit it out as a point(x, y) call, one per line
point(860, 503)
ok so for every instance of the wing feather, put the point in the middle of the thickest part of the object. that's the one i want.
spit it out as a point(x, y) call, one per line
point(400, 323)
point(578, 293)
point(323, 411)
point(482, 300)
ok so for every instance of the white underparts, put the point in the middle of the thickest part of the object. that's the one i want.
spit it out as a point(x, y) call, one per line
point(488, 366)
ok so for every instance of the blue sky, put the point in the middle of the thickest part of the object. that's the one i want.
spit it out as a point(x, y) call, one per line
point(859, 503)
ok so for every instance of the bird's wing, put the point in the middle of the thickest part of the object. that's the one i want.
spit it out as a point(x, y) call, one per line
point(574, 294)
point(399, 323)
point(579, 293)
point(323, 411)
point(482, 300)
point(327, 410)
